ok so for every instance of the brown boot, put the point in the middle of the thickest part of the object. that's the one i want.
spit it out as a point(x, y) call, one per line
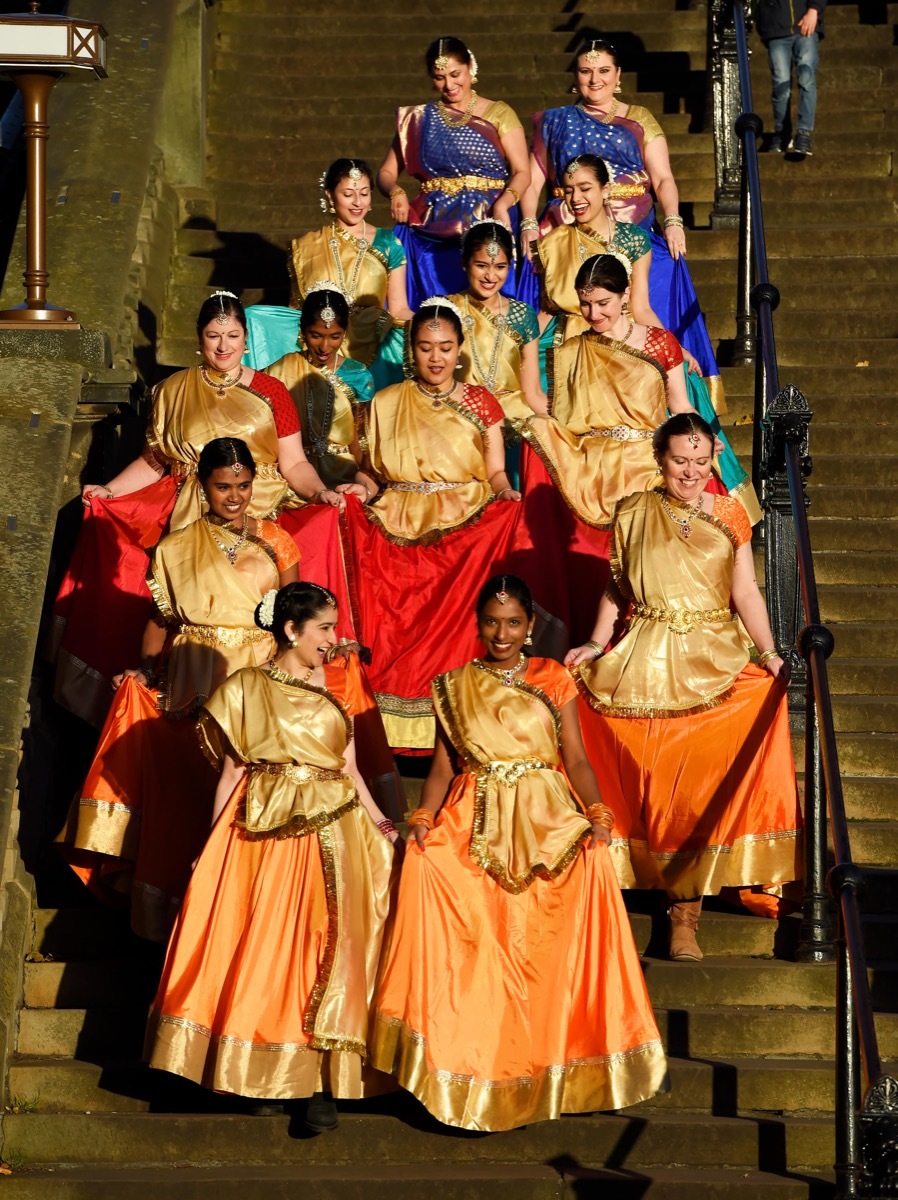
point(684, 916)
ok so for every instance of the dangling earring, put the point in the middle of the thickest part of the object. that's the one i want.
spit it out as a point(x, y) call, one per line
point(617, 88)
point(528, 640)
point(574, 89)
point(331, 209)
point(198, 353)
point(292, 645)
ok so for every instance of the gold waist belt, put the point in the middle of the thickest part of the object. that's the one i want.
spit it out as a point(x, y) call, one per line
point(435, 485)
point(619, 191)
point(462, 183)
point(683, 620)
point(510, 770)
point(622, 433)
point(302, 773)
point(223, 635)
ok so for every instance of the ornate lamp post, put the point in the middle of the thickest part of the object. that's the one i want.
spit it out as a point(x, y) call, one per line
point(36, 51)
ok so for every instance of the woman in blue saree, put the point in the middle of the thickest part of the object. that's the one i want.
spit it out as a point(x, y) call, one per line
point(633, 147)
point(469, 155)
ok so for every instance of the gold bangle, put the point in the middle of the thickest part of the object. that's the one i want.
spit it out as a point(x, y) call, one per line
point(600, 650)
point(397, 191)
point(529, 223)
point(517, 195)
point(421, 816)
point(767, 655)
point(673, 220)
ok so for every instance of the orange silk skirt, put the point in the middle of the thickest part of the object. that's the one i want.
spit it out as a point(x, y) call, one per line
point(703, 801)
point(144, 811)
point(496, 1009)
point(250, 954)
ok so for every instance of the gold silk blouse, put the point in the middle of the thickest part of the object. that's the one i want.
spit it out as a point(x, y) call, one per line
point(187, 413)
point(683, 647)
point(491, 353)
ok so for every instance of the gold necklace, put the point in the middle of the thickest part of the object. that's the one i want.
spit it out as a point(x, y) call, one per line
point(683, 523)
point(455, 122)
point(507, 676)
point(613, 341)
point(605, 118)
point(283, 676)
point(230, 552)
point(228, 381)
point(432, 392)
point(487, 378)
point(362, 248)
point(589, 232)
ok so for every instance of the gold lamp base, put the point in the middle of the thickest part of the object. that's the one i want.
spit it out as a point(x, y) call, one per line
point(48, 317)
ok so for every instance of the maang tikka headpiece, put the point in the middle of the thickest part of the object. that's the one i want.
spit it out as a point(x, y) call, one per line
point(436, 303)
point(592, 54)
point(572, 168)
point(693, 437)
point(441, 62)
point(223, 317)
point(354, 173)
point(502, 594)
point(327, 314)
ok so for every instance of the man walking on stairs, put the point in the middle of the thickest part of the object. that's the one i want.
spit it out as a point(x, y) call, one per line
point(791, 30)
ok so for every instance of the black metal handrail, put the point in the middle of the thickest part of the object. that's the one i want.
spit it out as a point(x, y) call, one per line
point(866, 1124)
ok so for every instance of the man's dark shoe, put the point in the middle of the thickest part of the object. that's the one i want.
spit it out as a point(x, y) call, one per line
point(321, 1113)
point(774, 144)
point(801, 144)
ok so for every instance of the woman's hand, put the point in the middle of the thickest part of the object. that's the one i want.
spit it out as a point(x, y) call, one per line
point(499, 212)
point(131, 673)
point(354, 489)
point(579, 655)
point(508, 493)
point(675, 236)
point(599, 834)
point(778, 668)
point(328, 496)
point(529, 238)
point(399, 207)
point(91, 490)
point(417, 834)
point(343, 649)
point(692, 363)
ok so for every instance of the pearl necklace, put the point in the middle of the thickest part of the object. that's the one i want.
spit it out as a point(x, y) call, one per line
point(487, 378)
point(507, 676)
point(683, 523)
point(230, 552)
point(228, 381)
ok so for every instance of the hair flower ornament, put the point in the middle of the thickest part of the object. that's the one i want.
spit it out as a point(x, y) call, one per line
point(266, 609)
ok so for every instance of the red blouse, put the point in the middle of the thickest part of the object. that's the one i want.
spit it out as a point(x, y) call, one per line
point(286, 418)
point(663, 347)
point(483, 404)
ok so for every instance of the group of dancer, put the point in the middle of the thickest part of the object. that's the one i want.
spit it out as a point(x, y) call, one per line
point(412, 514)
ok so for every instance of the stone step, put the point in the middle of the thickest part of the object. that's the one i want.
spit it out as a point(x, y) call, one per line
point(818, 381)
point(865, 714)
point(875, 843)
point(864, 639)
point(854, 240)
point(839, 502)
point(868, 753)
point(864, 676)
point(864, 296)
point(791, 272)
point(829, 213)
point(869, 798)
point(456, 1183)
point(235, 1141)
point(849, 533)
point(872, 569)
point(854, 604)
point(756, 1085)
point(833, 327)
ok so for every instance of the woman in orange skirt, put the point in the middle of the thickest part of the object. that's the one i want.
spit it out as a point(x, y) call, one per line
point(512, 990)
point(270, 970)
point(689, 740)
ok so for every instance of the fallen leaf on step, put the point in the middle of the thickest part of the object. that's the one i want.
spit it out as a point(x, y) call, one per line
point(864, 363)
point(5, 1169)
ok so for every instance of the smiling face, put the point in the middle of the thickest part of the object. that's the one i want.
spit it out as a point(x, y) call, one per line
point(223, 345)
point(229, 494)
point(502, 628)
point(597, 79)
point(585, 196)
point(314, 638)
point(323, 342)
point(486, 274)
point(601, 308)
point(435, 352)
point(686, 468)
point(453, 83)
point(351, 199)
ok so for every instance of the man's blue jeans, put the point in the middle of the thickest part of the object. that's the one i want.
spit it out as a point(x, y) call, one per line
point(803, 52)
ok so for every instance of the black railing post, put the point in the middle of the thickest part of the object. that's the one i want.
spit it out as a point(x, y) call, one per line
point(815, 935)
point(744, 343)
point(786, 420)
point(848, 1060)
point(725, 107)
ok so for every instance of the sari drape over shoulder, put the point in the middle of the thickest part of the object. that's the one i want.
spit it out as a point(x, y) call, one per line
point(328, 405)
point(270, 970)
point(511, 991)
point(707, 800)
point(362, 269)
point(435, 521)
point(103, 604)
point(606, 400)
point(491, 352)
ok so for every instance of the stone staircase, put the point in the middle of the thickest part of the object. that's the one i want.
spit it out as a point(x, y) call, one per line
point(750, 1035)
